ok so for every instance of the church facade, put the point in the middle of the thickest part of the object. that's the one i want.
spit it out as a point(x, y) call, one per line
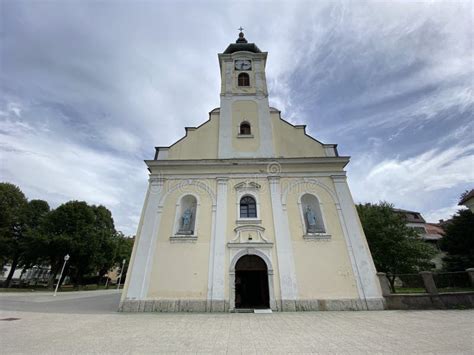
point(247, 211)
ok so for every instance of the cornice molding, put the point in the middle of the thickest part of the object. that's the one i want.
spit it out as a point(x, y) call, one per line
point(248, 161)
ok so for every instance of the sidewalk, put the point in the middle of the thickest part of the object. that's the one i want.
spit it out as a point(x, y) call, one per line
point(402, 332)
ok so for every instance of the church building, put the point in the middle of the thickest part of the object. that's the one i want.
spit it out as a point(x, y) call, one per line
point(249, 212)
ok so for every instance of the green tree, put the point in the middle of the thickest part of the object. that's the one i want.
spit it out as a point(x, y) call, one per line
point(13, 204)
point(459, 242)
point(30, 251)
point(84, 232)
point(395, 248)
point(122, 249)
point(124, 252)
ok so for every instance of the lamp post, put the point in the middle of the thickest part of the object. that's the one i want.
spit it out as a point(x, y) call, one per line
point(66, 258)
point(120, 276)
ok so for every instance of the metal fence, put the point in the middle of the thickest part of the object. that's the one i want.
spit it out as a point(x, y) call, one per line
point(409, 283)
point(452, 281)
point(428, 282)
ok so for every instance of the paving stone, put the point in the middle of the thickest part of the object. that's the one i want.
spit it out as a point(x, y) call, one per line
point(361, 332)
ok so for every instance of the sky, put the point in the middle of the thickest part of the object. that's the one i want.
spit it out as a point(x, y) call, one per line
point(89, 88)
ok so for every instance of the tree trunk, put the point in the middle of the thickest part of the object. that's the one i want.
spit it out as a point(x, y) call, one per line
point(12, 271)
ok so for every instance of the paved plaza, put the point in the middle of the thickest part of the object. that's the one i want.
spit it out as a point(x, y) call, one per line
point(85, 322)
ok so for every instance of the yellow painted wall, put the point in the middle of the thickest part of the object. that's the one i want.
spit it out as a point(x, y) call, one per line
point(291, 142)
point(201, 143)
point(323, 268)
point(245, 110)
point(180, 269)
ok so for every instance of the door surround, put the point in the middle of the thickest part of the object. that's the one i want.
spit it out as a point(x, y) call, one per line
point(268, 262)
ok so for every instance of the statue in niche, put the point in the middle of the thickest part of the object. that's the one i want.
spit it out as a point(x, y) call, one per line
point(311, 220)
point(186, 222)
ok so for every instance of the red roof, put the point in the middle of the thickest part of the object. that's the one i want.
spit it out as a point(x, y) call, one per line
point(469, 195)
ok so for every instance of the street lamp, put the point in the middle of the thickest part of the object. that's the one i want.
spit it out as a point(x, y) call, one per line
point(120, 276)
point(66, 258)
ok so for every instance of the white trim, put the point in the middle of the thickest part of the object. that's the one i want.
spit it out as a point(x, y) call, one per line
point(317, 237)
point(218, 276)
point(330, 150)
point(286, 264)
point(252, 160)
point(249, 245)
point(247, 188)
point(210, 274)
point(254, 194)
point(163, 153)
point(265, 254)
point(188, 182)
point(250, 228)
point(143, 260)
point(183, 238)
point(369, 284)
point(248, 221)
point(307, 181)
point(187, 176)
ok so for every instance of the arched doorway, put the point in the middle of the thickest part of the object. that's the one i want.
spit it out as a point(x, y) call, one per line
point(251, 283)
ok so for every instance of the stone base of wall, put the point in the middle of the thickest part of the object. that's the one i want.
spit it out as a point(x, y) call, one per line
point(173, 306)
point(223, 306)
point(338, 305)
point(452, 300)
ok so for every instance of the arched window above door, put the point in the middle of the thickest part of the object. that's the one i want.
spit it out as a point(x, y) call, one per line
point(248, 207)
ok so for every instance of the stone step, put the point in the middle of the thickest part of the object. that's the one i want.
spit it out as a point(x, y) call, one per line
point(251, 310)
point(243, 310)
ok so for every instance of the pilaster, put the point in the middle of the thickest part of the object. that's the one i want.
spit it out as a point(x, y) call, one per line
point(219, 270)
point(365, 273)
point(284, 249)
point(142, 265)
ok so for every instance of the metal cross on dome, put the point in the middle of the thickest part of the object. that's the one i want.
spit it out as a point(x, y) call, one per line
point(240, 29)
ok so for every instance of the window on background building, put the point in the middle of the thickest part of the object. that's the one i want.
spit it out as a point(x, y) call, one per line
point(248, 207)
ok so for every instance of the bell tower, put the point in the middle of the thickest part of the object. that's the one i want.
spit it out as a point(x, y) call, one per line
point(245, 129)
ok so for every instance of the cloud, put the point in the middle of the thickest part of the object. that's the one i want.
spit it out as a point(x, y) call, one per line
point(89, 88)
point(416, 182)
point(45, 165)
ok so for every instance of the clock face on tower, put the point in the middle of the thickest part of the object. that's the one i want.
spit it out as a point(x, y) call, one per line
point(243, 64)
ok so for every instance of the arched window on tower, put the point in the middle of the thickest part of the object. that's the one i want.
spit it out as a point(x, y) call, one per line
point(248, 207)
point(243, 79)
point(245, 128)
